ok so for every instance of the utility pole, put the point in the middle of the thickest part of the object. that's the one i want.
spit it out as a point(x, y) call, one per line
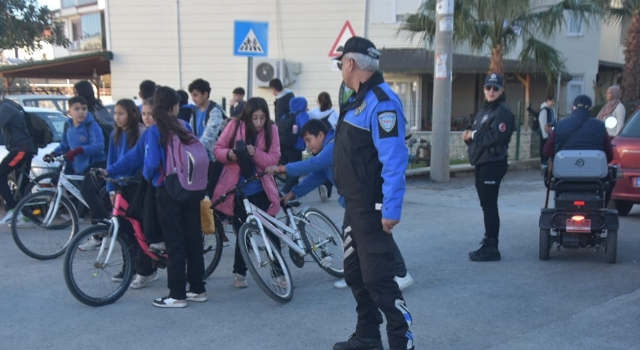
point(441, 116)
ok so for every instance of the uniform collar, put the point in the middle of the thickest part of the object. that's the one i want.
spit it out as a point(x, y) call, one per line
point(354, 102)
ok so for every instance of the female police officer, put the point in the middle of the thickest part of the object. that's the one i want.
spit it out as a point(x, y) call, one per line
point(488, 151)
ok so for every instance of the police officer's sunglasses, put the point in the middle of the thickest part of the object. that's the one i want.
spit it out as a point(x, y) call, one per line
point(339, 64)
point(492, 87)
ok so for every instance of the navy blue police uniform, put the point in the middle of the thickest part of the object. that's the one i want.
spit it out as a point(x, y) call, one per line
point(370, 162)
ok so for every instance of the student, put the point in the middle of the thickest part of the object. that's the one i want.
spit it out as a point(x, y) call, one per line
point(260, 135)
point(329, 116)
point(283, 96)
point(97, 111)
point(292, 150)
point(83, 145)
point(238, 102)
point(146, 90)
point(319, 140)
point(186, 108)
point(179, 220)
point(21, 149)
point(204, 109)
point(128, 160)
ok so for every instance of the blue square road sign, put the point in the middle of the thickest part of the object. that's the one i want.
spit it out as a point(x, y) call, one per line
point(251, 39)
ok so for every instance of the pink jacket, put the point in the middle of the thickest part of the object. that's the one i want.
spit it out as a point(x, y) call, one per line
point(231, 171)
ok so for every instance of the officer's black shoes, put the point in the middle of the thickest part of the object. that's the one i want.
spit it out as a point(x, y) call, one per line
point(487, 252)
point(359, 344)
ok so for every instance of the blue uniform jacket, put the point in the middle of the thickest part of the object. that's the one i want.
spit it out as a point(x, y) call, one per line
point(370, 152)
point(319, 168)
point(131, 162)
point(155, 155)
point(119, 151)
point(299, 104)
point(91, 141)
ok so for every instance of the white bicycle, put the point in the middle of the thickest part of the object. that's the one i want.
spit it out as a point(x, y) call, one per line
point(312, 233)
point(52, 213)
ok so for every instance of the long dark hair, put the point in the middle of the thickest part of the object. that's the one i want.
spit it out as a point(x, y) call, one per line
point(253, 104)
point(324, 99)
point(164, 99)
point(133, 123)
point(85, 89)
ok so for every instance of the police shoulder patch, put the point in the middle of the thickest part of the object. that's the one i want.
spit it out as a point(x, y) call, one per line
point(388, 124)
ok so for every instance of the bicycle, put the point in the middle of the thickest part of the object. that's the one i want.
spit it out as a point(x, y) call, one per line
point(86, 273)
point(51, 210)
point(21, 182)
point(264, 261)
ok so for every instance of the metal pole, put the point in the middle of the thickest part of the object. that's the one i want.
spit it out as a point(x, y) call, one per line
point(518, 123)
point(249, 77)
point(441, 133)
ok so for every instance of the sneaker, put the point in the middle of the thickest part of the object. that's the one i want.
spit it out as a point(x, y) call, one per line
point(359, 344)
point(7, 218)
point(92, 244)
point(404, 282)
point(158, 246)
point(167, 302)
point(23, 222)
point(322, 190)
point(280, 282)
point(340, 284)
point(118, 277)
point(142, 281)
point(487, 252)
point(239, 281)
point(202, 297)
point(67, 217)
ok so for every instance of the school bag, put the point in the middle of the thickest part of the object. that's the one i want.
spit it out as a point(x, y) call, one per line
point(210, 107)
point(534, 123)
point(186, 169)
point(38, 129)
point(285, 130)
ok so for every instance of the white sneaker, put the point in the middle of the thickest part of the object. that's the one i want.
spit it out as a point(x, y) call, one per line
point(91, 244)
point(322, 190)
point(158, 246)
point(404, 282)
point(23, 222)
point(67, 217)
point(340, 284)
point(7, 218)
point(142, 281)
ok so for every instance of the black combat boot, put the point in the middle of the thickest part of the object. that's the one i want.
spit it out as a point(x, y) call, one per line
point(487, 252)
point(359, 344)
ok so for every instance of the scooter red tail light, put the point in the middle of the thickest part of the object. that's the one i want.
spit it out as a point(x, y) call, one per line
point(578, 203)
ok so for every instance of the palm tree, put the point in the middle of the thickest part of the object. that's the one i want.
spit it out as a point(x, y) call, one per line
point(616, 12)
point(499, 25)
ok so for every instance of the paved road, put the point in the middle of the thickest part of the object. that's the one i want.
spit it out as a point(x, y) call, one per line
point(573, 301)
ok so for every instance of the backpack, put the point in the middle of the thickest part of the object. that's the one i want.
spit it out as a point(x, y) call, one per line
point(534, 123)
point(285, 130)
point(211, 106)
point(186, 169)
point(38, 129)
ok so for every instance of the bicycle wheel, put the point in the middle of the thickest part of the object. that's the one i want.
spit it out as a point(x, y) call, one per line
point(46, 181)
point(88, 276)
point(273, 276)
point(212, 251)
point(37, 239)
point(324, 241)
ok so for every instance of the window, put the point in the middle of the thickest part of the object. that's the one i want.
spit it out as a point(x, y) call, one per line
point(408, 93)
point(575, 88)
point(575, 25)
point(632, 128)
point(392, 11)
point(86, 33)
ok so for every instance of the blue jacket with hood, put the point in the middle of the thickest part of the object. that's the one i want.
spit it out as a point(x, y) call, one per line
point(87, 135)
point(299, 105)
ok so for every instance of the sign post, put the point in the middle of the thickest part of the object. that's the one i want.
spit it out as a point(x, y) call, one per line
point(250, 39)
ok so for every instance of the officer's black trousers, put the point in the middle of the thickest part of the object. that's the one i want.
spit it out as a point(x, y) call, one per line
point(369, 271)
point(488, 179)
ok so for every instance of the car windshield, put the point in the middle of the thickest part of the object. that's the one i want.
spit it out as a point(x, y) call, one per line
point(56, 120)
point(55, 104)
point(632, 128)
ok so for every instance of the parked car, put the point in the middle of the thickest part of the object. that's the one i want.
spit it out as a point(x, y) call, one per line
point(56, 121)
point(55, 102)
point(626, 154)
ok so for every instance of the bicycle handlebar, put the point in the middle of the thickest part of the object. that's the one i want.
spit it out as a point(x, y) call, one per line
point(237, 188)
point(120, 180)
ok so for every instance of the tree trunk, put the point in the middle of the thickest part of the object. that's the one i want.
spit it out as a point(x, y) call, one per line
point(631, 72)
point(497, 65)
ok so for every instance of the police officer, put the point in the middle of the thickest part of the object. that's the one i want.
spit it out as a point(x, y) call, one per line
point(488, 151)
point(370, 159)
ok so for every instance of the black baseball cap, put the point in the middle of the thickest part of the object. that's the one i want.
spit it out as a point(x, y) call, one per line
point(494, 79)
point(361, 45)
point(582, 101)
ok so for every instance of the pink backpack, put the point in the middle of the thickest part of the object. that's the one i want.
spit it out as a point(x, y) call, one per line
point(187, 169)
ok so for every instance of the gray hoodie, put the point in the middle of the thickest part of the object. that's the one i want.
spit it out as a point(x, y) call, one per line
point(14, 128)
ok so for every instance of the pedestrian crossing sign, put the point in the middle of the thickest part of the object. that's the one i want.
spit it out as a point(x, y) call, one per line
point(251, 39)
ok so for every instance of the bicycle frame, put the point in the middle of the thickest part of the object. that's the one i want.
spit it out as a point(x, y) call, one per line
point(64, 185)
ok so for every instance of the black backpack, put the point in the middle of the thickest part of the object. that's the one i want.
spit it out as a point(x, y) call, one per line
point(285, 130)
point(211, 106)
point(534, 123)
point(38, 129)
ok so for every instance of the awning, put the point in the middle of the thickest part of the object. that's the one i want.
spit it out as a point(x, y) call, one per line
point(84, 66)
point(419, 61)
point(607, 64)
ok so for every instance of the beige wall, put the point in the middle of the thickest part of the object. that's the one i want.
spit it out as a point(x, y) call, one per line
point(610, 48)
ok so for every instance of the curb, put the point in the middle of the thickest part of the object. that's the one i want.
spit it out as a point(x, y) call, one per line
point(468, 168)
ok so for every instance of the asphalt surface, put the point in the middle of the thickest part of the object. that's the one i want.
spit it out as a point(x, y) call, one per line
point(573, 301)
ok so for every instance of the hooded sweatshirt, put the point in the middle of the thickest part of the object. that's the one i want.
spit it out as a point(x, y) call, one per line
point(299, 105)
point(14, 128)
point(330, 114)
point(87, 135)
point(282, 103)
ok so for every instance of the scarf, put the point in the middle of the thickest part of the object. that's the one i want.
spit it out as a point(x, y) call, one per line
point(608, 109)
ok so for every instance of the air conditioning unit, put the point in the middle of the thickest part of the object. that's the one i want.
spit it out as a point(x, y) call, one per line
point(265, 69)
